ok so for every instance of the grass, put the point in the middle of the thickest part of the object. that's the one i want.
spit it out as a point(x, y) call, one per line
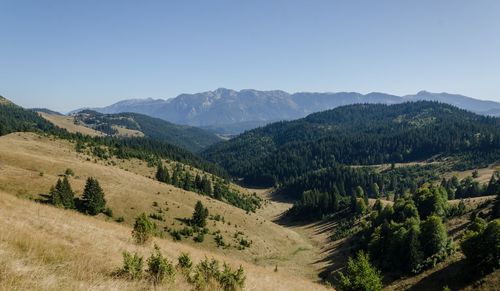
point(129, 193)
point(46, 248)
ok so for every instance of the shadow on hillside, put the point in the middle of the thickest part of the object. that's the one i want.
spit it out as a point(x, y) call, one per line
point(456, 276)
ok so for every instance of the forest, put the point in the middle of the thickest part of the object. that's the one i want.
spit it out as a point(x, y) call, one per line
point(362, 134)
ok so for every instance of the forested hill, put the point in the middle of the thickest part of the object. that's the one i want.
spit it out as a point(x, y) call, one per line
point(191, 138)
point(14, 118)
point(358, 135)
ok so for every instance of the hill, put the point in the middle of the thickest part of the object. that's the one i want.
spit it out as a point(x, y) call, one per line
point(358, 135)
point(31, 164)
point(232, 112)
point(46, 248)
point(134, 124)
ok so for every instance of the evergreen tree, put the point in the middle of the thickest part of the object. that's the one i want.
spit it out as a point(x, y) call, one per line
point(62, 194)
point(67, 194)
point(55, 194)
point(433, 235)
point(206, 186)
point(161, 173)
point(93, 197)
point(217, 191)
point(360, 275)
point(200, 215)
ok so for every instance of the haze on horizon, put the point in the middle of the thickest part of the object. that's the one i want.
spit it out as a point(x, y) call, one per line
point(67, 54)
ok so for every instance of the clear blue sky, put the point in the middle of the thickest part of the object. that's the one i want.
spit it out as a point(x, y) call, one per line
point(67, 54)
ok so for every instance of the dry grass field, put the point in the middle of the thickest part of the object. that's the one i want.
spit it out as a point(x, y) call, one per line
point(46, 248)
point(30, 164)
point(67, 122)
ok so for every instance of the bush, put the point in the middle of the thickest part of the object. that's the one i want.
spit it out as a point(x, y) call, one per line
point(132, 265)
point(143, 229)
point(176, 235)
point(199, 238)
point(120, 219)
point(108, 212)
point(159, 268)
point(219, 240)
point(232, 281)
point(156, 216)
point(360, 275)
point(184, 261)
point(206, 275)
point(69, 172)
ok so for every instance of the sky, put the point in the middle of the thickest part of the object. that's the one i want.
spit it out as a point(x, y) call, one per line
point(69, 54)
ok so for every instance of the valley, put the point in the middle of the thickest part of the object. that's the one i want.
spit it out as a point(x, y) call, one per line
point(291, 203)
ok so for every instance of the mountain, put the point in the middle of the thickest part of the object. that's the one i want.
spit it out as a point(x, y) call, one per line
point(133, 124)
point(232, 112)
point(478, 106)
point(359, 134)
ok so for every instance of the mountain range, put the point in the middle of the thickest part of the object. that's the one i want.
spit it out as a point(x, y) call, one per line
point(232, 112)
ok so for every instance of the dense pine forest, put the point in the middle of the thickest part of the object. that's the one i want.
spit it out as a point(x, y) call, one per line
point(362, 134)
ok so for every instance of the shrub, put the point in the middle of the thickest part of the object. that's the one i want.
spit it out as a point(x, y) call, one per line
point(159, 268)
point(120, 219)
point(108, 212)
point(143, 229)
point(206, 275)
point(176, 235)
point(232, 281)
point(69, 172)
point(199, 238)
point(219, 240)
point(156, 216)
point(184, 261)
point(132, 265)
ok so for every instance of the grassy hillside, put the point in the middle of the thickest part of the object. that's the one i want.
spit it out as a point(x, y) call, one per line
point(32, 163)
point(190, 138)
point(46, 248)
point(67, 122)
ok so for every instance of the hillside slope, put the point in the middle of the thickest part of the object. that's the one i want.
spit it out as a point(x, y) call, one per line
point(30, 165)
point(46, 248)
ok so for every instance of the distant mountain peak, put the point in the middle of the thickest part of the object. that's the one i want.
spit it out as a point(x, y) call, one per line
point(223, 107)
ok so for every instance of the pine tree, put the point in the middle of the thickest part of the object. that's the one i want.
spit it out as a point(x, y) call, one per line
point(206, 186)
point(93, 197)
point(361, 275)
point(56, 194)
point(200, 215)
point(67, 194)
point(161, 173)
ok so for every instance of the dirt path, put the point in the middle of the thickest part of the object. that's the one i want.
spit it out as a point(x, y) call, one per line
point(317, 256)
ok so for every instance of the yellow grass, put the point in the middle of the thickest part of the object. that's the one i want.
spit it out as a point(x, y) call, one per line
point(24, 156)
point(67, 122)
point(46, 248)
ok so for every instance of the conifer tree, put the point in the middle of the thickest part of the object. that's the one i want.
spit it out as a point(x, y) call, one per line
point(67, 194)
point(200, 215)
point(55, 194)
point(93, 197)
